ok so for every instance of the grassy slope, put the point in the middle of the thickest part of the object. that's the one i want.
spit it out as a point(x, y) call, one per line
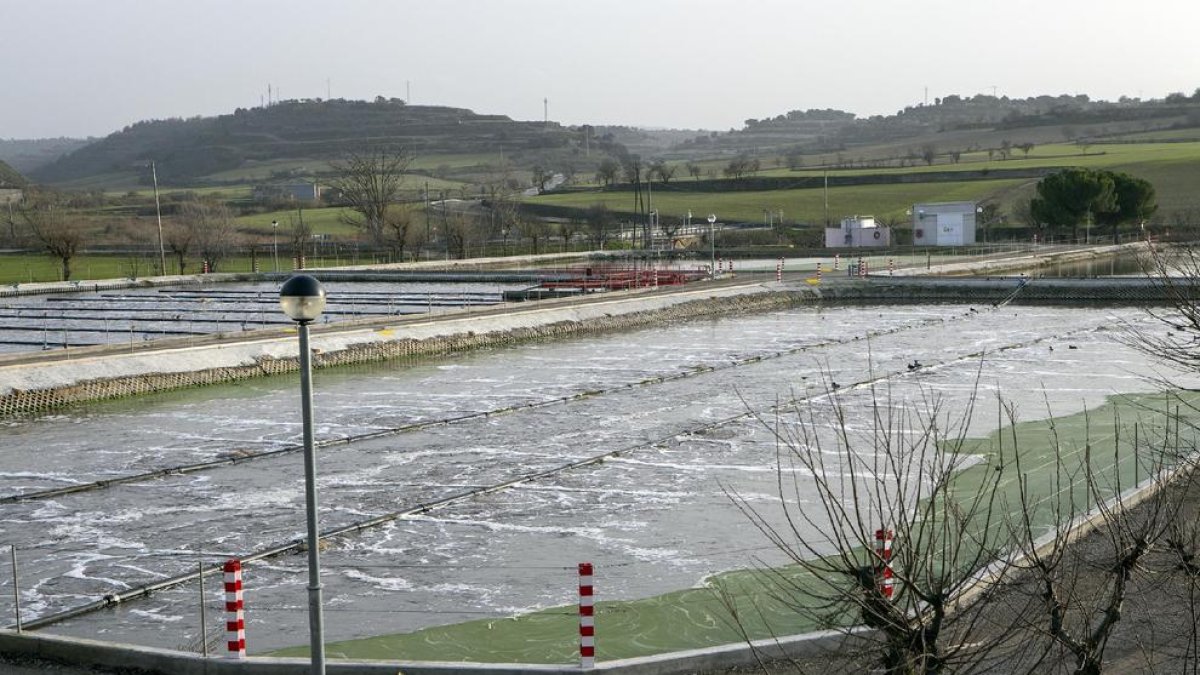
point(798, 205)
point(1172, 167)
point(696, 618)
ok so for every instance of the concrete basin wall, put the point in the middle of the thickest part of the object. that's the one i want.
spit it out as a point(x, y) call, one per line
point(41, 382)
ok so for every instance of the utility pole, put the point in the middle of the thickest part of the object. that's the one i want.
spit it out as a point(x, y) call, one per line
point(649, 208)
point(162, 252)
point(826, 197)
point(428, 231)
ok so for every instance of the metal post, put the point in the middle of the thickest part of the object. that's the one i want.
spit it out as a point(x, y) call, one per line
point(16, 588)
point(315, 621)
point(712, 240)
point(203, 615)
point(275, 243)
point(162, 252)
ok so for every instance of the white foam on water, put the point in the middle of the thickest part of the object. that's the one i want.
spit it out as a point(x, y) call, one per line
point(155, 614)
point(383, 583)
point(54, 477)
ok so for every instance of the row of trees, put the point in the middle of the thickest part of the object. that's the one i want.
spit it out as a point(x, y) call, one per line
point(1085, 196)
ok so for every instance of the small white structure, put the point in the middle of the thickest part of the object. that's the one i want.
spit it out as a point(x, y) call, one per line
point(858, 232)
point(944, 224)
point(300, 192)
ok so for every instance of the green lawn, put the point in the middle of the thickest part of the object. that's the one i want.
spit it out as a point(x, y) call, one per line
point(696, 618)
point(327, 220)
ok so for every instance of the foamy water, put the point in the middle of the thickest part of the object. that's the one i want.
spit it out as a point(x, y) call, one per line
point(654, 519)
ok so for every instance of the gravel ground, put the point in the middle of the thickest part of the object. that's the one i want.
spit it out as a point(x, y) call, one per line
point(1153, 635)
point(22, 666)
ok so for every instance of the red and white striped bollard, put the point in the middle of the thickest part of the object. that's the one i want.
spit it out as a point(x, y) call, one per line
point(779, 270)
point(235, 623)
point(587, 619)
point(883, 549)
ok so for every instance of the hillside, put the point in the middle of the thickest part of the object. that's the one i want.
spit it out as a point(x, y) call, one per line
point(1039, 119)
point(315, 130)
point(28, 154)
point(9, 178)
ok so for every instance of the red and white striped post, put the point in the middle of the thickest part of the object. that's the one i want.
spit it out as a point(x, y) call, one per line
point(587, 619)
point(779, 270)
point(204, 268)
point(235, 623)
point(883, 550)
point(891, 266)
point(819, 270)
point(837, 261)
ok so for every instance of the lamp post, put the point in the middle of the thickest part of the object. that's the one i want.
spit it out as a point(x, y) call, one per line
point(302, 299)
point(712, 240)
point(275, 243)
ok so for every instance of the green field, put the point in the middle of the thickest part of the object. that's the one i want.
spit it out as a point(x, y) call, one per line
point(697, 618)
point(805, 205)
point(1173, 168)
point(30, 268)
point(321, 221)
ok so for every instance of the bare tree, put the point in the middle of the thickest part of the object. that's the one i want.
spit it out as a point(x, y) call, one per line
point(53, 226)
point(179, 239)
point(1175, 334)
point(541, 176)
point(369, 183)
point(567, 229)
point(694, 170)
point(663, 170)
point(670, 227)
point(1075, 595)
point(739, 166)
point(461, 230)
point(928, 153)
point(599, 220)
point(213, 235)
point(534, 230)
point(893, 482)
point(299, 234)
point(608, 171)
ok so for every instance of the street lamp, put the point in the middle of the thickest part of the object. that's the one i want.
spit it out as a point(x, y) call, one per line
point(712, 240)
point(302, 299)
point(275, 243)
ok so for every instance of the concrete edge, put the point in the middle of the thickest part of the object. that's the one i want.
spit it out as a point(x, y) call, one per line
point(93, 653)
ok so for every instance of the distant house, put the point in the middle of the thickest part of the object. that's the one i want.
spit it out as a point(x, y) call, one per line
point(300, 192)
point(858, 232)
point(944, 224)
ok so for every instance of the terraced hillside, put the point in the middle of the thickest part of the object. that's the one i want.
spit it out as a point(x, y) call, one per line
point(316, 130)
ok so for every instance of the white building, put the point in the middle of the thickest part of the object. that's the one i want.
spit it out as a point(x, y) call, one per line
point(944, 224)
point(858, 232)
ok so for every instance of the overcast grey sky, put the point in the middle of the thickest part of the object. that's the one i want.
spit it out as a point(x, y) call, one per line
point(90, 67)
